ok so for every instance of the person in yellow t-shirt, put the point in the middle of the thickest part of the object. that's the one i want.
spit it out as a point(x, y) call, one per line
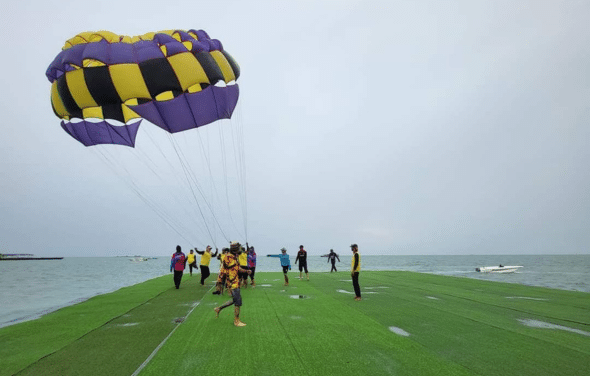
point(205, 260)
point(243, 261)
point(191, 261)
point(355, 270)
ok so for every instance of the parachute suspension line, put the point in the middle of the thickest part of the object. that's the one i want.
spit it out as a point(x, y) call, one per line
point(190, 176)
point(240, 160)
point(195, 180)
point(212, 179)
point(134, 188)
point(191, 213)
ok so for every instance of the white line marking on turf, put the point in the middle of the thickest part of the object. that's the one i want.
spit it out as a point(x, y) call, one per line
point(149, 358)
point(546, 325)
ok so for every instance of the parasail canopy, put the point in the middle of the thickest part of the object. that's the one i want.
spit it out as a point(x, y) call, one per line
point(103, 84)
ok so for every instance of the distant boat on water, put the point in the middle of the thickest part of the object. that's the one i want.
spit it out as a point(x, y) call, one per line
point(498, 269)
point(139, 259)
point(24, 256)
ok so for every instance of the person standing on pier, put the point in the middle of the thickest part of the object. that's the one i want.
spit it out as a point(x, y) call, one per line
point(243, 261)
point(302, 258)
point(252, 263)
point(177, 264)
point(355, 270)
point(192, 262)
point(205, 260)
point(233, 268)
point(285, 263)
point(332, 256)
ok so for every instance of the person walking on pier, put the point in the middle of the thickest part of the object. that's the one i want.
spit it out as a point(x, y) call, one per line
point(285, 263)
point(302, 258)
point(177, 264)
point(192, 262)
point(205, 260)
point(355, 270)
point(233, 268)
point(332, 256)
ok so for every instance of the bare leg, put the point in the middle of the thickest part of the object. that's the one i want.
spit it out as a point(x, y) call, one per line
point(224, 305)
point(237, 321)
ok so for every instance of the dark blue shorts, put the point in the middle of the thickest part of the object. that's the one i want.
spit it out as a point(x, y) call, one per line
point(237, 297)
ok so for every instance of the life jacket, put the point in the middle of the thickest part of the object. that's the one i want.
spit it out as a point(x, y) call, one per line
point(358, 268)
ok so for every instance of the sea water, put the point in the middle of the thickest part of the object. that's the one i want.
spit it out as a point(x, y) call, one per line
point(32, 288)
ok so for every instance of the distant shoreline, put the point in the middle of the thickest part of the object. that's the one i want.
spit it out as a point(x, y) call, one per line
point(30, 258)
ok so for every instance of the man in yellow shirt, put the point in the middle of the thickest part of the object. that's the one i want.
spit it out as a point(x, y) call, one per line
point(243, 261)
point(191, 261)
point(205, 260)
point(355, 270)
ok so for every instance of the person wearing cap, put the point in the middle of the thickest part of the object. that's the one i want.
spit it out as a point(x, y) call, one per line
point(285, 263)
point(177, 264)
point(233, 268)
point(355, 270)
point(302, 258)
point(205, 260)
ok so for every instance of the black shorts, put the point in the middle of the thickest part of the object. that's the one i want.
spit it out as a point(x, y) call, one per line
point(237, 297)
point(303, 265)
point(241, 274)
point(285, 269)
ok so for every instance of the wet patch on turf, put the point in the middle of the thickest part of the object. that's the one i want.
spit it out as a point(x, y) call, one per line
point(399, 331)
point(264, 285)
point(346, 280)
point(296, 317)
point(299, 297)
point(128, 324)
point(376, 287)
point(546, 325)
point(524, 297)
point(432, 297)
point(352, 292)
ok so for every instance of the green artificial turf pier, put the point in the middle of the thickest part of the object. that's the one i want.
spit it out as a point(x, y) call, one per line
point(407, 324)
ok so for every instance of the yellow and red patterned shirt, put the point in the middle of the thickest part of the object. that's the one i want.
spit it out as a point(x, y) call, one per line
point(230, 263)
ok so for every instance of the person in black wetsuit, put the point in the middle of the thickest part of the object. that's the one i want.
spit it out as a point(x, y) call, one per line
point(302, 258)
point(355, 269)
point(332, 256)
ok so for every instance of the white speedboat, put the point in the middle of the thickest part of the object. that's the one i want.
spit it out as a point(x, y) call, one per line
point(498, 269)
point(139, 259)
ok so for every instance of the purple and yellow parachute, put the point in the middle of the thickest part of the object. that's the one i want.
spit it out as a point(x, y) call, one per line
point(103, 84)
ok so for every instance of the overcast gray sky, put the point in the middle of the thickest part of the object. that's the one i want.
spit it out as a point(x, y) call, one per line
point(408, 127)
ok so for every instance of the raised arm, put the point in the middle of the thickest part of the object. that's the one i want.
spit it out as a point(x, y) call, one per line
point(273, 255)
point(216, 251)
point(199, 252)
